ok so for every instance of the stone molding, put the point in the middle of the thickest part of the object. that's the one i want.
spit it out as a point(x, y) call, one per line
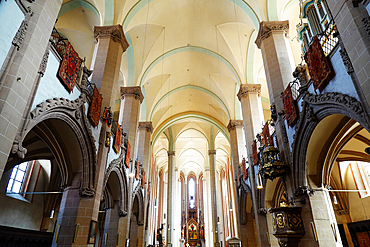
point(211, 152)
point(267, 27)
point(233, 124)
point(314, 109)
point(346, 61)
point(138, 191)
point(45, 59)
point(21, 33)
point(72, 112)
point(117, 166)
point(245, 89)
point(146, 125)
point(171, 153)
point(114, 32)
point(134, 91)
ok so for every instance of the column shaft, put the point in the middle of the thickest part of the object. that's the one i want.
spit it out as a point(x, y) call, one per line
point(170, 197)
point(212, 168)
point(249, 96)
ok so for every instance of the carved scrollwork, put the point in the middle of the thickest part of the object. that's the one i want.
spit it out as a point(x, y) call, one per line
point(21, 33)
point(87, 192)
point(134, 91)
point(114, 32)
point(18, 149)
point(262, 211)
point(266, 28)
point(346, 61)
point(336, 98)
point(366, 22)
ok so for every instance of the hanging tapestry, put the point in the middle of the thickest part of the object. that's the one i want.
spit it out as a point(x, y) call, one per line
point(318, 65)
point(143, 180)
point(244, 169)
point(289, 106)
point(266, 135)
point(128, 152)
point(137, 169)
point(68, 70)
point(118, 139)
point(255, 153)
point(95, 108)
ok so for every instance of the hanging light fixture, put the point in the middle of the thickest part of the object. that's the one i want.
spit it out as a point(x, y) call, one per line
point(259, 182)
point(335, 200)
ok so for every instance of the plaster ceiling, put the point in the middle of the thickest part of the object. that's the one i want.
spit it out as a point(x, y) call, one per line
point(190, 58)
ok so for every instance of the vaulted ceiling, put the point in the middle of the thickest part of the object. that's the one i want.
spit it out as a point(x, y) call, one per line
point(189, 57)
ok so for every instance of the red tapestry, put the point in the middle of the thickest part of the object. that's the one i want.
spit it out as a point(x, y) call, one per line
point(255, 153)
point(95, 108)
point(266, 135)
point(143, 180)
point(318, 65)
point(137, 169)
point(128, 152)
point(118, 139)
point(68, 70)
point(363, 239)
point(289, 106)
point(244, 169)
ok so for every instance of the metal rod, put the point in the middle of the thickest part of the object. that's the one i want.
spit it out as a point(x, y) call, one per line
point(32, 193)
point(323, 189)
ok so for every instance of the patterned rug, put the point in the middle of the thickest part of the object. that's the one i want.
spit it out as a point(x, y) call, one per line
point(69, 68)
point(318, 65)
point(95, 107)
point(117, 139)
point(289, 106)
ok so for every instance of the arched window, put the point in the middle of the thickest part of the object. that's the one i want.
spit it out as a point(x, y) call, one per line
point(191, 191)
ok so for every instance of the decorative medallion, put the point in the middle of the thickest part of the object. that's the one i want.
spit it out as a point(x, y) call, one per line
point(280, 221)
point(294, 220)
point(108, 116)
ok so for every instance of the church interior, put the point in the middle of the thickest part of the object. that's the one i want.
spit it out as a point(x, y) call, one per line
point(218, 123)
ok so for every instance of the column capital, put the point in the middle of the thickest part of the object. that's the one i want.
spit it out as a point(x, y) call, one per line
point(114, 32)
point(267, 27)
point(248, 88)
point(171, 153)
point(211, 152)
point(135, 91)
point(146, 125)
point(234, 123)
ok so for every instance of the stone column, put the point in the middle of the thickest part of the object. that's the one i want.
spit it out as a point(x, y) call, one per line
point(131, 98)
point(111, 43)
point(249, 97)
point(170, 198)
point(145, 133)
point(111, 224)
point(324, 218)
point(212, 168)
point(238, 150)
point(279, 66)
point(19, 78)
point(353, 25)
